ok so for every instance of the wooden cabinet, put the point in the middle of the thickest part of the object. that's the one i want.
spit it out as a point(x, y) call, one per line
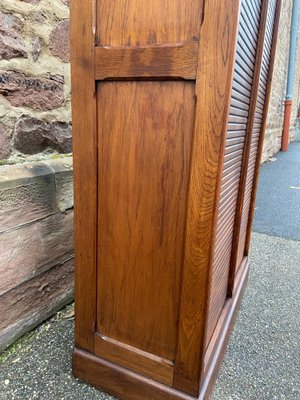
point(169, 110)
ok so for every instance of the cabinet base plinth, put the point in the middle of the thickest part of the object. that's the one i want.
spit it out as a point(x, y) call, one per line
point(128, 385)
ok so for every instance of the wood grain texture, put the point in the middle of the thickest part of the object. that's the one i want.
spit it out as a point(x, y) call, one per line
point(144, 62)
point(119, 381)
point(213, 88)
point(246, 154)
point(127, 385)
point(136, 360)
point(134, 23)
point(213, 343)
point(231, 175)
point(149, 155)
point(218, 344)
point(85, 169)
point(264, 122)
point(144, 156)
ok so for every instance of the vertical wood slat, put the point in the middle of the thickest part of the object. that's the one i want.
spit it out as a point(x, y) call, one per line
point(213, 89)
point(255, 136)
point(264, 123)
point(230, 184)
point(249, 130)
point(85, 166)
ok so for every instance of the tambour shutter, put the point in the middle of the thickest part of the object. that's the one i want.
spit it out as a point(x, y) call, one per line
point(234, 148)
point(257, 129)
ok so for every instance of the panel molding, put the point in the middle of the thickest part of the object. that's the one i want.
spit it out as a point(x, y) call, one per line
point(170, 62)
point(135, 359)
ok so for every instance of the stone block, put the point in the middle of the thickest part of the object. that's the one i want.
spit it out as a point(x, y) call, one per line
point(27, 305)
point(9, 22)
point(31, 1)
point(60, 41)
point(38, 93)
point(63, 172)
point(32, 135)
point(32, 191)
point(36, 48)
point(12, 44)
point(30, 249)
point(5, 144)
point(11, 47)
point(36, 244)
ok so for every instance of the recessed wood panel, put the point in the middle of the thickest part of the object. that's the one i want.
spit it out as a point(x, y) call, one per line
point(139, 23)
point(144, 143)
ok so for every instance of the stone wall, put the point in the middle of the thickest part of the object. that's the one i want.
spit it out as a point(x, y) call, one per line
point(35, 113)
point(36, 182)
point(36, 244)
point(278, 92)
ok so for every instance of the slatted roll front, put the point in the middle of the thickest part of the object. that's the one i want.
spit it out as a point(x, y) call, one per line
point(256, 133)
point(234, 148)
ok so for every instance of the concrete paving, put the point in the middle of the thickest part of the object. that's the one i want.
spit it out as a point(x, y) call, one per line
point(263, 357)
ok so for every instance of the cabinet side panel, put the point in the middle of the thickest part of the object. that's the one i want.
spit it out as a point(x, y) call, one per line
point(139, 23)
point(144, 138)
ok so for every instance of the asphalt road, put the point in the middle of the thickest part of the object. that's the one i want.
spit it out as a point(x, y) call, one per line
point(278, 198)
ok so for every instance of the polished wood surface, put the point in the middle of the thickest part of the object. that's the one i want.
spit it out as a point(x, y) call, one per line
point(127, 385)
point(136, 23)
point(258, 116)
point(85, 170)
point(161, 99)
point(232, 168)
point(137, 360)
point(219, 341)
point(213, 87)
point(145, 131)
point(175, 61)
point(236, 256)
point(144, 157)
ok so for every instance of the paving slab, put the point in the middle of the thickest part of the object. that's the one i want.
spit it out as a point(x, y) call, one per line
point(262, 361)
